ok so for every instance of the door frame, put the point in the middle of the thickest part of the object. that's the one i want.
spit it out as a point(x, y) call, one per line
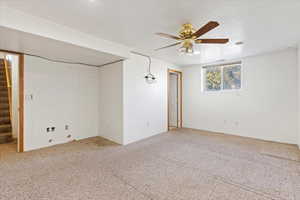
point(20, 147)
point(179, 98)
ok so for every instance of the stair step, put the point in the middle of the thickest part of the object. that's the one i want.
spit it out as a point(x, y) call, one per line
point(5, 128)
point(2, 83)
point(4, 106)
point(5, 138)
point(4, 113)
point(3, 92)
point(4, 120)
point(3, 99)
point(3, 88)
point(3, 110)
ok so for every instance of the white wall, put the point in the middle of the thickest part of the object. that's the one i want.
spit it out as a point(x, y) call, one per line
point(130, 108)
point(59, 94)
point(298, 100)
point(265, 108)
point(111, 102)
point(145, 105)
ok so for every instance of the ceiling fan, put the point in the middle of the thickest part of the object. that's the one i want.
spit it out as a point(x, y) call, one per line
point(188, 37)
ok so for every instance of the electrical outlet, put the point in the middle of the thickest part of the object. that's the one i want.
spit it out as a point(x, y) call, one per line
point(69, 136)
point(48, 129)
point(66, 127)
point(52, 129)
point(50, 140)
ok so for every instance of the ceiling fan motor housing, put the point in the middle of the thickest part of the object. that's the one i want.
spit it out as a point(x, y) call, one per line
point(187, 31)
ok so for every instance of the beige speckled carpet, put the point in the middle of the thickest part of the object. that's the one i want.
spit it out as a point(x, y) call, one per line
point(178, 165)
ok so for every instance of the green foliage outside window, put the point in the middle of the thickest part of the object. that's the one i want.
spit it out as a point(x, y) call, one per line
point(213, 79)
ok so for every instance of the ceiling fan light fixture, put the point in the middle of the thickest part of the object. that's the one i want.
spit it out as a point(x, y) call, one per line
point(188, 51)
point(184, 50)
point(197, 52)
point(187, 47)
point(189, 38)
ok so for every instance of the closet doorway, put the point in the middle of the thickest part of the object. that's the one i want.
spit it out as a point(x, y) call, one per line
point(174, 99)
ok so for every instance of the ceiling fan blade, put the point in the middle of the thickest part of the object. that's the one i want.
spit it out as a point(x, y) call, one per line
point(168, 46)
point(209, 26)
point(212, 41)
point(168, 36)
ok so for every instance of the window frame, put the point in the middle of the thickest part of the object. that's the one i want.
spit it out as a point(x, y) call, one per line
point(222, 66)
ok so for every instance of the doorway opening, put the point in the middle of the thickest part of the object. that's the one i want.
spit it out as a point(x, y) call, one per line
point(11, 100)
point(174, 99)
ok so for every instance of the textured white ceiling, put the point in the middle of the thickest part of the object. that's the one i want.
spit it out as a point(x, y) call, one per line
point(263, 25)
point(52, 49)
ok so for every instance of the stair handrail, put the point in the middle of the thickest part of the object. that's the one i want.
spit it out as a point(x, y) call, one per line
point(9, 83)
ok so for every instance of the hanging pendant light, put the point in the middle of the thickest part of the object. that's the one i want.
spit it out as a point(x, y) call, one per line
point(150, 78)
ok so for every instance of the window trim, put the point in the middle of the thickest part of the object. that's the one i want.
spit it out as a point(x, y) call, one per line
point(222, 66)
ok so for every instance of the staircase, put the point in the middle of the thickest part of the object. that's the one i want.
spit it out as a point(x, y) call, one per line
point(5, 123)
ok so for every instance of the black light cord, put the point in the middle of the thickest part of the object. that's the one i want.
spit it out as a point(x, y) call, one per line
point(66, 62)
point(86, 64)
point(149, 58)
point(149, 76)
point(150, 62)
point(60, 61)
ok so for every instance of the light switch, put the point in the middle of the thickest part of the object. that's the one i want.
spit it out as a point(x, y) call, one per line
point(29, 97)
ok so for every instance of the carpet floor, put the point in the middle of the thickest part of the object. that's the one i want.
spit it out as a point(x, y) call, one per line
point(182, 164)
